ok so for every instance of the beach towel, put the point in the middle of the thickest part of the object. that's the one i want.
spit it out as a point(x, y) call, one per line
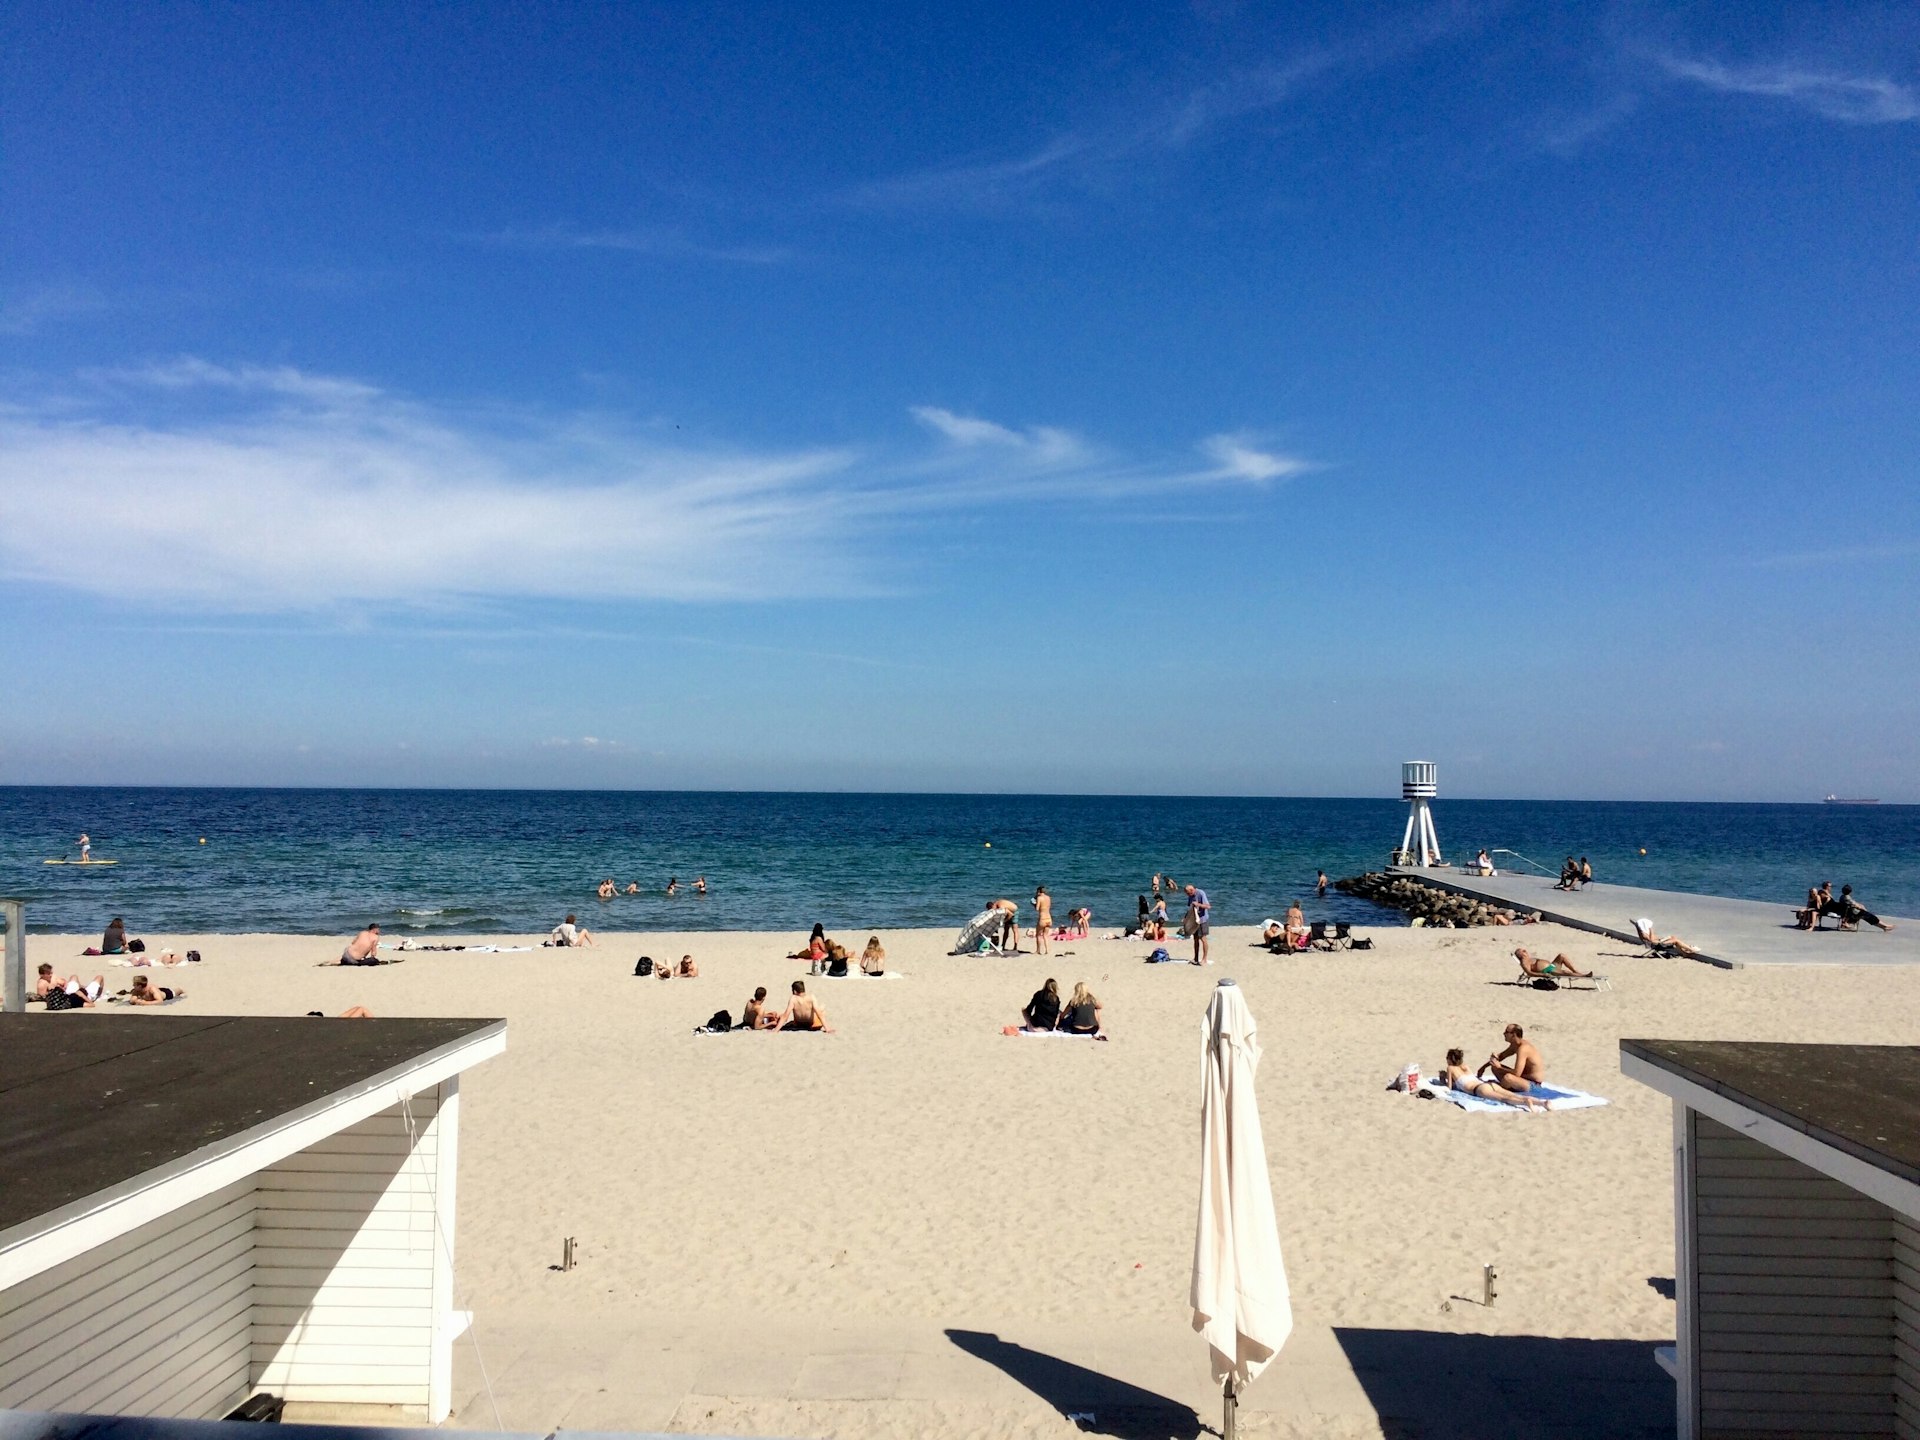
point(1047, 1034)
point(1559, 1099)
point(862, 975)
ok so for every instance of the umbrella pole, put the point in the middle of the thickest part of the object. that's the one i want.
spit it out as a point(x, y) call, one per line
point(1231, 1402)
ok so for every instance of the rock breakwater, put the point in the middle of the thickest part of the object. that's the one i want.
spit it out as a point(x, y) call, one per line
point(1440, 908)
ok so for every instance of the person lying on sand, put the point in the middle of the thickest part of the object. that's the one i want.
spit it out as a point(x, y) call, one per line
point(1081, 1014)
point(1527, 1070)
point(1456, 1076)
point(803, 1012)
point(685, 970)
point(143, 993)
point(1043, 1010)
point(72, 994)
point(754, 1014)
point(364, 948)
point(1547, 969)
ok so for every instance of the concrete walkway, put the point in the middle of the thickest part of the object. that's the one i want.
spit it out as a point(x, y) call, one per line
point(1725, 932)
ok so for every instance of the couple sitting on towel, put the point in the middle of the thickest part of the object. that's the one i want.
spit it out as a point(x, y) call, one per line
point(1079, 1016)
point(1509, 1083)
point(803, 1012)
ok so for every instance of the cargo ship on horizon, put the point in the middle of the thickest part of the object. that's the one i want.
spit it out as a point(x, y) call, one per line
point(1838, 800)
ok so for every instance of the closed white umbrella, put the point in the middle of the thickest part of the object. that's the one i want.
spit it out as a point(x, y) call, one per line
point(1240, 1300)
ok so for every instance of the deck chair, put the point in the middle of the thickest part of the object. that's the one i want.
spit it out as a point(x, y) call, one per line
point(1330, 935)
point(1643, 929)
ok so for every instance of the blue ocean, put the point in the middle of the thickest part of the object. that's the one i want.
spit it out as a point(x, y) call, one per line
point(490, 861)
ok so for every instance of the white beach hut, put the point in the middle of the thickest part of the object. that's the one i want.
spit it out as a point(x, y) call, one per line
point(198, 1208)
point(1797, 1235)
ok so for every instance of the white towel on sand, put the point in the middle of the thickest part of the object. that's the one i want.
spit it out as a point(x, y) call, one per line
point(1560, 1100)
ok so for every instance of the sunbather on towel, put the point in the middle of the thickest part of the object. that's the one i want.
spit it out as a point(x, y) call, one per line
point(803, 1012)
point(1547, 969)
point(1527, 1070)
point(1043, 1010)
point(144, 994)
point(873, 959)
point(1458, 1077)
point(364, 948)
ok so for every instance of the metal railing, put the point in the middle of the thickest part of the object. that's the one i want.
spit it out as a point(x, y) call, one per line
point(1524, 860)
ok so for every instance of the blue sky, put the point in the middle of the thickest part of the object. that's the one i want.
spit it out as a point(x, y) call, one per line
point(1185, 399)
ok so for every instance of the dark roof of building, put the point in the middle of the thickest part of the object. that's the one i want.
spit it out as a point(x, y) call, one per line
point(1860, 1099)
point(90, 1102)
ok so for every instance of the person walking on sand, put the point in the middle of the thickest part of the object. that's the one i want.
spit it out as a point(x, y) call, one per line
point(364, 948)
point(1042, 920)
point(1527, 1070)
point(1199, 914)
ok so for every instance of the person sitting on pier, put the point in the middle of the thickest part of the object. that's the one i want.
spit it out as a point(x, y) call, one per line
point(1851, 912)
point(1483, 864)
point(1569, 874)
point(1539, 969)
point(1586, 873)
point(1808, 917)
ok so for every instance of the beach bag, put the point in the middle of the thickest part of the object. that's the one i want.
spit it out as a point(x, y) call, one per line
point(1159, 957)
point(61, 1000)
point(193, 957)
point(721, 1022)
point(1362, 943)
point(1189, 923)
point(137, 947)
point(643, 966)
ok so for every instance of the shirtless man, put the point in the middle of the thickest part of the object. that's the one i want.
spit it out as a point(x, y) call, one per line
point(1547, 969)
point(754, 1016)
point(803, 1012)
point(364, 948)
point(1042, 920)
point(685, 970)
point(1527, 1069)
point(1010, 924)
point(607, 890)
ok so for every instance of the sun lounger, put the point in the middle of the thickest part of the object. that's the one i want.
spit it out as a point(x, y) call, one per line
point(1558, 981)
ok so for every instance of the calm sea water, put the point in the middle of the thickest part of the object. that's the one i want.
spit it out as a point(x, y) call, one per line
point(426, 861)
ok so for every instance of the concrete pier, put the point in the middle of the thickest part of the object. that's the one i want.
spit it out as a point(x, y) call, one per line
point(1726, 932)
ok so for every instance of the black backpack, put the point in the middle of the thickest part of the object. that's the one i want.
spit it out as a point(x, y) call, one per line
point(721, 1022)
point(643, 966)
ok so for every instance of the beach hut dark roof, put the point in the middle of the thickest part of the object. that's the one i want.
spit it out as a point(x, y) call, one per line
point(1863, 1100)
point(93, 1104)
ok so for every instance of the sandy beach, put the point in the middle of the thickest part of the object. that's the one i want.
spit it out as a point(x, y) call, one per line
point(917, 1224)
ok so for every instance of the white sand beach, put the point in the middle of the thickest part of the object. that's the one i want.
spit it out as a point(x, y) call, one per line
point(779, 1232)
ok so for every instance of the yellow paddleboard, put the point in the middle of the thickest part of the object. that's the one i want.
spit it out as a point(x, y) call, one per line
point(79, 862)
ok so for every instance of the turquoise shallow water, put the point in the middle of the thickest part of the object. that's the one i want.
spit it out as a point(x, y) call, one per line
point(427, 861)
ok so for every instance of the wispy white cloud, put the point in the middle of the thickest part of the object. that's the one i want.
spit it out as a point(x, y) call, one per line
point(662, 242)
point(31, 310)
point(272, 491)
point(1854, 99)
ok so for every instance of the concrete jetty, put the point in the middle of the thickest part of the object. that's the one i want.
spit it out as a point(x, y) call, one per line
point(1726, 932)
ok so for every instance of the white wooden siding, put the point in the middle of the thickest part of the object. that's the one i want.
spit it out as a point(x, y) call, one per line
point(1906, 1327)
point(1794, 1295)
point(154, 1322)
point(345, 1261)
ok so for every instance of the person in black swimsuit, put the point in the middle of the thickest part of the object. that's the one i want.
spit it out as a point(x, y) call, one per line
point(144, 994)
point(1043, 1010)
point(1081, 1014)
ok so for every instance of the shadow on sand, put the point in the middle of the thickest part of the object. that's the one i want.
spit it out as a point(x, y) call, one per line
point(1427, 1385)
point(1117, 1408)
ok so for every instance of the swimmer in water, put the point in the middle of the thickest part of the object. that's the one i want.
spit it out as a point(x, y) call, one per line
point(673, 885)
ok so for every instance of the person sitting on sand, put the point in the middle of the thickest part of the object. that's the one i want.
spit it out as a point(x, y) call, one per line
point(1527, 1070)
point(46, 981)
point(838, 961)
point(144, 993)
point(568, 934)
point(1081, 1014)
point(1456, 1076)
point(114, 942)
point(803, 1012)
point(1042, 1012)
point(364, 948)
point(1851, 912)
point(607, 889)
point(1661, 944)
point(753, 1015)
point(1547, 969)
point(1271, 932)
point(816, 946)
point(1297, 931)
point(873, 959)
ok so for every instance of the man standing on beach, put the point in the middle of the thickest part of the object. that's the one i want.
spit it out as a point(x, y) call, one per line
point(1042, 920)
point(1198, 911)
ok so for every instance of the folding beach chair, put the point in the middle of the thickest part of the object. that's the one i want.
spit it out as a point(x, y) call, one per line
point(1596, 981)
point(1331, 935)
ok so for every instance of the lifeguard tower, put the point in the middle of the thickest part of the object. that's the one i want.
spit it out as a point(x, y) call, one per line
point(1419, 783)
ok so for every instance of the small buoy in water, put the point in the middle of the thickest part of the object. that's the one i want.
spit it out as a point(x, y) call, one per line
point(1643, 849)
point(988, 845)
point(203, 839)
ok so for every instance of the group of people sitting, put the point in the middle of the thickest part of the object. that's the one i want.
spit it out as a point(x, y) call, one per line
point(71, 992)
point(1821, 902)
point(803, 1012)
point(609, 888)
point(1574, 874)
point(1151, 922)
point(1294, 934)
point(827, 957)
point(1079, 1014)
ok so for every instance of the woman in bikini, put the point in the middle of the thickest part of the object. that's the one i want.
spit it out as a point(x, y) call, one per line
point(1458, 1077)
point(803, 1012)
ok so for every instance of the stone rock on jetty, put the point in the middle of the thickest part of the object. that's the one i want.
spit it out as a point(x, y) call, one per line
point(1440, 908)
